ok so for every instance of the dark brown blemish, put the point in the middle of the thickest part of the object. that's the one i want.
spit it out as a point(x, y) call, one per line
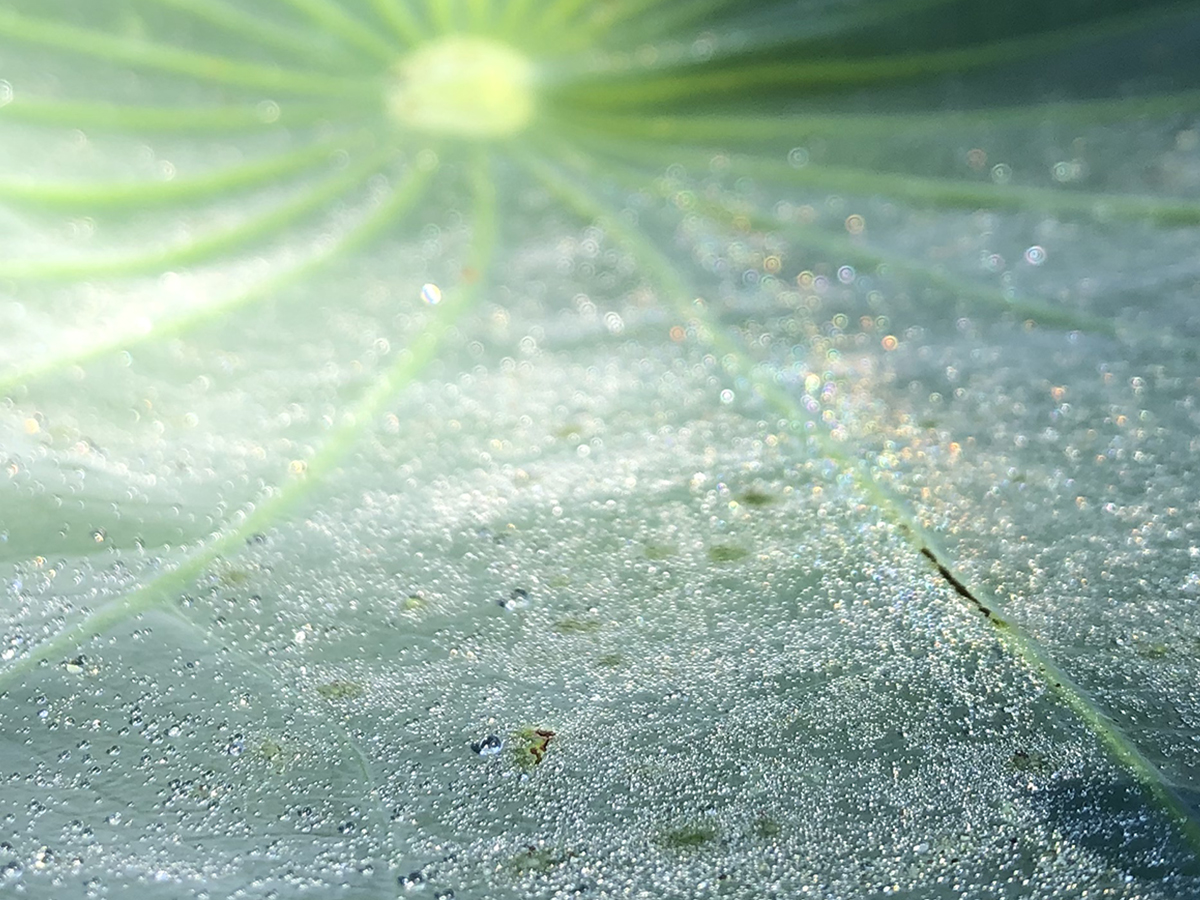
point(961, 589)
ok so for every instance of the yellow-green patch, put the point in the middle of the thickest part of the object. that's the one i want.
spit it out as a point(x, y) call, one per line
point(576, 626)
point(1153, 651)
point(756, 498)
point(269, 749)
point(528, 745)
point(659, 551)
point(1030, 761)
point(723, 553)
point(279, 755)
point(765, 827)
point(234, 577)
point(689, 836)
point(340, 690)
point(463, 85)
point(536, 860)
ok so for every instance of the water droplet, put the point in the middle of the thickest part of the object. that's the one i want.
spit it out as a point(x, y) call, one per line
point(489, 746)
point(798, 157)
point(431, 294)
point(518, 599)
point(268, 111)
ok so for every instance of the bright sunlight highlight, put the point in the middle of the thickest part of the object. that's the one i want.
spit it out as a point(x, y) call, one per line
point(463, 85)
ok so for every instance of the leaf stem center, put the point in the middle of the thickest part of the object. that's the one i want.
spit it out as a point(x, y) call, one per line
point(463, 85)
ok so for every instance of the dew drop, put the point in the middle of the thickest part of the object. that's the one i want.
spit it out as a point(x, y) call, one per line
point(489, 746)
point(517, 599)
point(412, 879)
point(268, 111)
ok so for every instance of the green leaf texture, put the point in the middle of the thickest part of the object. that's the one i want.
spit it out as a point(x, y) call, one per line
point(629, 448)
